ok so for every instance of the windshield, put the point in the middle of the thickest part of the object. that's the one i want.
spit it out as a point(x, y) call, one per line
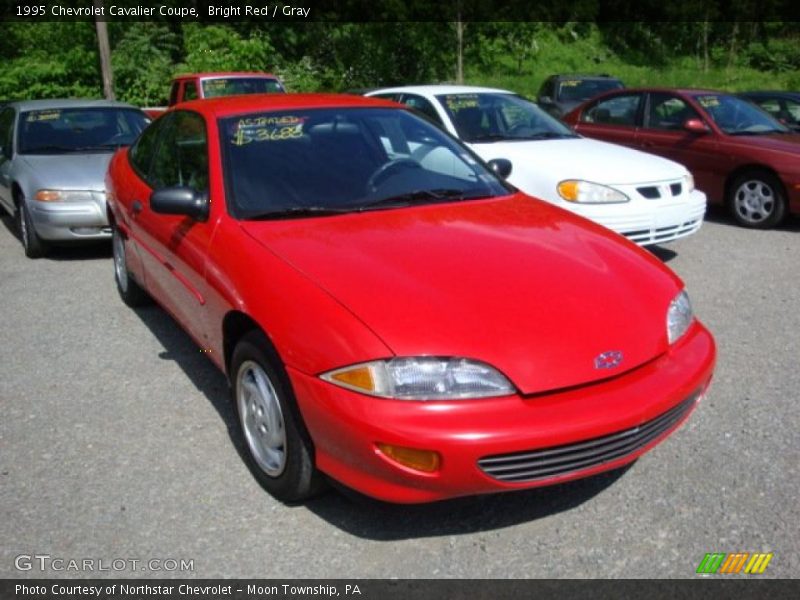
point(491, 117)
point(61, 130)
point(580, 90)
point(240, 85)
point(319, 161)
point(735, 116)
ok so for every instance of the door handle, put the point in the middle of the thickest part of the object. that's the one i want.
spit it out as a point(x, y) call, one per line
point(136, 207)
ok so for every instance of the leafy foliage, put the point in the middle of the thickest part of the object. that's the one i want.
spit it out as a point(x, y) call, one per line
point(60, 59)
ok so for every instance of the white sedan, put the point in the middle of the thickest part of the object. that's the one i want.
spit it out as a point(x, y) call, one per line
point(646, 198)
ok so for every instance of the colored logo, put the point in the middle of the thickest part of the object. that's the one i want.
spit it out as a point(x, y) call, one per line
point(608, 360)
point(738, 562)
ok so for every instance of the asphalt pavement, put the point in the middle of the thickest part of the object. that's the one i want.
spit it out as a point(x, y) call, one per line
point(117, 443)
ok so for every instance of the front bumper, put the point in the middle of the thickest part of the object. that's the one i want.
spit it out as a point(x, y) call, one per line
point(648, 222)
point(71, 221)
point(346, 426)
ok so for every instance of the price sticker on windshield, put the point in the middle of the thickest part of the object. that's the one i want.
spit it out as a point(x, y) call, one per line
point(456, 103)
point(43, 115)
point(708, 101)
point(571, 83)
point(267, 129)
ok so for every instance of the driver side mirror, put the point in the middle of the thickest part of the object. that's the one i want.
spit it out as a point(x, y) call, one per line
point(501, 167)
point(180, 200)
point(695, 126)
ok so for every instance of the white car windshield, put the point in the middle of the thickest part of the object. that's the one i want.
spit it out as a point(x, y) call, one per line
point(492, 117)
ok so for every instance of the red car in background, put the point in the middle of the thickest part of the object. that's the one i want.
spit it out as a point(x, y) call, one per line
point(739, 155)
point(415, 329)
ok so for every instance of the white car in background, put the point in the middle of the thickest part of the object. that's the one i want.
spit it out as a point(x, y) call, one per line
point(646, 198)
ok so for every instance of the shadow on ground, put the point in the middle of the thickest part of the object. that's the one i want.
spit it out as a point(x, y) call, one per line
point(67, 252)
point(357, 514)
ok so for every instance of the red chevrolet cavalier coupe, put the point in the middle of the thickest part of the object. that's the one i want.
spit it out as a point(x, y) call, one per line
point(388, 311)
point(739, 155)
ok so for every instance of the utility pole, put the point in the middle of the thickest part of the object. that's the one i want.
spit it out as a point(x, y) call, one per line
point(105, 51)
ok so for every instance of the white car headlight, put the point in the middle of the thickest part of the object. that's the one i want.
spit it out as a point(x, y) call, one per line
point(423, 378)
point(586, 192)
point(689, 183)
point(679, 317)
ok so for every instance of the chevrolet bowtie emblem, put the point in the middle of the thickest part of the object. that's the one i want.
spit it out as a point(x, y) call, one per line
point(608, 360)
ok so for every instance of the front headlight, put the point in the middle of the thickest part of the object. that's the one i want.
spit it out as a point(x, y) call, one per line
point(586, 192)
point(679, 317)
point(689, 182)
point(423, 378)
point(64, 196)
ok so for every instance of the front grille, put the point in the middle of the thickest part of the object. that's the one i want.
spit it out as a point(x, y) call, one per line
point(650, 192)
point(569, 458)
point(664, 234)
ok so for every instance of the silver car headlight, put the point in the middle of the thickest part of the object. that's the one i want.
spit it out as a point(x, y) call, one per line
point(63, 196)
point(679, 317)
point(586, 192)
point(422, 378)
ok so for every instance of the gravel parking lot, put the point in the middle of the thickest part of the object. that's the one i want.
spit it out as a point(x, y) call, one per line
point(116, 442)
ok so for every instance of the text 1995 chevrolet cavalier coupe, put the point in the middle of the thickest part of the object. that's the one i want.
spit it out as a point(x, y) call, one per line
point(414, 332)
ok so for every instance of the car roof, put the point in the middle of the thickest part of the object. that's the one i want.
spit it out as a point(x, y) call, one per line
point(68, 103)
point(221, 74)
point(232, 105)
point(583, 76)
point(777, 93)
point(435, 89)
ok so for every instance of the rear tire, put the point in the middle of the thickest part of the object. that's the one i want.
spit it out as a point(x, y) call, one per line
point(756, 199)
point(131, 292)
point(277, 445)
point(32, 244)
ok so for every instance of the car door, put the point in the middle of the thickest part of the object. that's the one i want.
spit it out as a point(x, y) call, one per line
point(663, 133)
point(6, 154)
point(175, 246)
point(613, 119)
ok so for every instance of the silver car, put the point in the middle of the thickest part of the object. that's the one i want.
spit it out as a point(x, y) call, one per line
point(53, 160)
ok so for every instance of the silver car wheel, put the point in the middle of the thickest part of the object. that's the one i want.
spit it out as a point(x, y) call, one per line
point(261, 417)
point(754, 201)
point(120, 263)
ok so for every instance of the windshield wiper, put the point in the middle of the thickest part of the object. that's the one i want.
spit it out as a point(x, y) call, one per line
point(46, 149)
point(545, 135)
point(423, 197)
point(298, 212)
point(765, 132)
point(489, 137)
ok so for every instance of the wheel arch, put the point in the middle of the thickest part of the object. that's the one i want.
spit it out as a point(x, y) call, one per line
point(750, 168)
point(235, 325)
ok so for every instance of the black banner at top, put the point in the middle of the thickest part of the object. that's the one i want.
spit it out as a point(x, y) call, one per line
point(400, 10)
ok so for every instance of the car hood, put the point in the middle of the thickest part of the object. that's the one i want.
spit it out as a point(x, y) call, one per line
point(580, 158)
point(69, 171)
point(522, 285)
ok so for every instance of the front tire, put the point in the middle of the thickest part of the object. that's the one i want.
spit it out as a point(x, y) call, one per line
point(757, 200)
point(279, 450)
point(32, 244)
point(131, 292)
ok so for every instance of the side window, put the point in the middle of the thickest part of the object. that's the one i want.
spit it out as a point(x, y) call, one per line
point(668, 112)
point(547, 89)
point(190, 90)
point(792, 111)
point(141, 153)
point(424, 106)
point(173, 92)
point(619, 110)
point(771, 105)
point(182, 155)
point(395, 97)
point(7, 134)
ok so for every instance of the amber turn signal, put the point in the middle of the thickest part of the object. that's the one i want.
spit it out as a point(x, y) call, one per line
point(426, 461)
